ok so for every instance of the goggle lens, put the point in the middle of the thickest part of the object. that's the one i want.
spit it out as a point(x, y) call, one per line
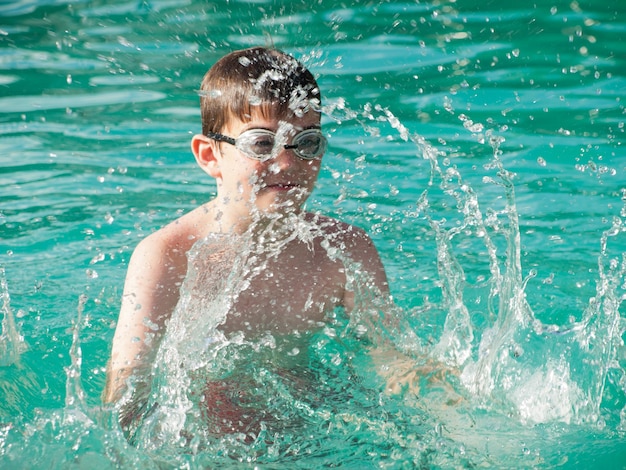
point(262, 145)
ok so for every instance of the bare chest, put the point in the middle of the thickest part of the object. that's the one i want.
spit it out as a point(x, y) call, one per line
point(293, 291)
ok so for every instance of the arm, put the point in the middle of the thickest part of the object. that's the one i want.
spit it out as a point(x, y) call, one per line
point(361, 250)
point(398, 371)
point(150, 294)
point(402, 372)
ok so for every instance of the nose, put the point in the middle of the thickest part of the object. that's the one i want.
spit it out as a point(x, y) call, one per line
point(285, 158)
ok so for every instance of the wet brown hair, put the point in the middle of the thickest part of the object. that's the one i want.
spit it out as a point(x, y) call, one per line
point(260, 79)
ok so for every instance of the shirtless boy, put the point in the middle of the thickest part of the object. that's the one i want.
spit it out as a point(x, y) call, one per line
point(262, 143)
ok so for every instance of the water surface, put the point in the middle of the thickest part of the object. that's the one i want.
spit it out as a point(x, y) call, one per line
point(480, 145)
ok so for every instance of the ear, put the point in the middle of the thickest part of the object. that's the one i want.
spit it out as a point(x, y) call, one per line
point(205, 150)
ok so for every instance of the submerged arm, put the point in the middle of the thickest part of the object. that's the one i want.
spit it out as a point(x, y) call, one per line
point(400, 372)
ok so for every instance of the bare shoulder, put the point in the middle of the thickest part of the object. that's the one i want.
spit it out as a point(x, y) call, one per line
point(356, 244)
point(159, 263)
point(177, 237)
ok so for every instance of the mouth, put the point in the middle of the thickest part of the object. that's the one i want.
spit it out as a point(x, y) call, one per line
point(282, 186)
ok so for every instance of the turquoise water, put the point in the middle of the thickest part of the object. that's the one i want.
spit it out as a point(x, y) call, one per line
point(479, 143)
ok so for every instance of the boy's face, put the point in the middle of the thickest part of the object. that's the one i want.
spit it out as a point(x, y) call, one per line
point(282, 183)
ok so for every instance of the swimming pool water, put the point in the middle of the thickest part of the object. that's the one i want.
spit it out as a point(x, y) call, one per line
point(481, 146)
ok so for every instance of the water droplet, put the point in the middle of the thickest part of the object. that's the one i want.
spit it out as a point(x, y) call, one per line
point(99, 257)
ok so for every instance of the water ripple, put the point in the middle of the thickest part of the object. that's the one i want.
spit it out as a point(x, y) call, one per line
point(20, 104)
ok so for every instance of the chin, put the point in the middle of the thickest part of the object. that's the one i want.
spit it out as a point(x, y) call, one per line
point(282, 202)
point(281, 208)
point(281, 205)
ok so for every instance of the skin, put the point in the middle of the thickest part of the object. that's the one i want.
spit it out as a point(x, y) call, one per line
point(250, 194)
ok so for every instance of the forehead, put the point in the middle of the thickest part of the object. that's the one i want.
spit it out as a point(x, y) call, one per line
point(267, 117)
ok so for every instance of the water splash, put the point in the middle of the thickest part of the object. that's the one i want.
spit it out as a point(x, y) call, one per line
point(74, 393)
point(534, 369)
point(600, 332)
point(516, 364)
point(75, 435)
point(520, 366)
point(11, 341)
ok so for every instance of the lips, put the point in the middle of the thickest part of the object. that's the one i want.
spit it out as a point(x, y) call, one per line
point(282, 186)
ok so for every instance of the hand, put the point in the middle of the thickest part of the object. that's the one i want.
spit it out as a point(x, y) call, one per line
point(404, 375)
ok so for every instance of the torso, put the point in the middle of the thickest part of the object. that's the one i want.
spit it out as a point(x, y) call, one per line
point(292, 291)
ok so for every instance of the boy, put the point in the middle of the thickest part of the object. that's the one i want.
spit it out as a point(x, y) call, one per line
point(261, 141)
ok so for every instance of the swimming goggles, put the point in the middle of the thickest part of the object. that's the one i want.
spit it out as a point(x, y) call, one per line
point(262, 144)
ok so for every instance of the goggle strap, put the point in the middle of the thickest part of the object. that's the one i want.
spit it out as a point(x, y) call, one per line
point(221, 138)
point(294, 146)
